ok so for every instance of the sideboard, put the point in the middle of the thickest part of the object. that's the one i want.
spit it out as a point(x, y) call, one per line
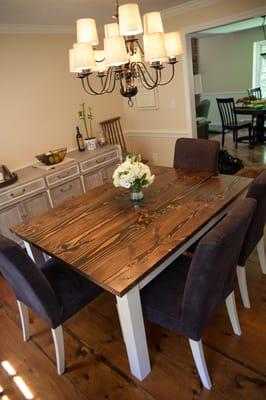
point(38, 189)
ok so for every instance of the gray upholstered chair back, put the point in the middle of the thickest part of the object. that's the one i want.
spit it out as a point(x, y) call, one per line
point(28, 282)
point(211, 275)
point(257, 190)
point(202, 110)
point(197, 154)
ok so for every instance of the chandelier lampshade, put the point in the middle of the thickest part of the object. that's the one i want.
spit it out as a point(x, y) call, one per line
point(152, 23)
point(123, 60)
point(86, 31)
point(129, 20)
point(173, 44)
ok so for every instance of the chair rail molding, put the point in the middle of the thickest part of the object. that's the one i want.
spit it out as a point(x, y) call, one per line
point(156, 134)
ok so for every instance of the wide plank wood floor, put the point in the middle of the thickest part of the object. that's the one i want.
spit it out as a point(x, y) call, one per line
point(96, 361)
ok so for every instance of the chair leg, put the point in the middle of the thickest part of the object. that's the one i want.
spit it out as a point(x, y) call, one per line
point(24, 319)
point(232, 312)
point(236, 137)
point(223, 138)
point(261, 254)
point(198, 355)
point(59, 349)
point(242, 283)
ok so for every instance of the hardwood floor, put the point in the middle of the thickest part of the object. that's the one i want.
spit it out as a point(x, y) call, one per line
point(96, 361)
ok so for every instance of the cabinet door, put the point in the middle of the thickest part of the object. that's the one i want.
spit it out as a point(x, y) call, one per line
point(93, 180)
point(109, 170)
point(10, 216)
point(66, 191)
point(34, 206)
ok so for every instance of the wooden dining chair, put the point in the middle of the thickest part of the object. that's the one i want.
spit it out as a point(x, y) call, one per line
point(197, 154)
point(54, 291)
point(113, 133)
point(187, 294)
point(255, 235)
point(254, 92)
point(229, 120)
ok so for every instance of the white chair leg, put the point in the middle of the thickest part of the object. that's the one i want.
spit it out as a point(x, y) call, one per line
point(242, 283)
point(59, 349)
point(198, 355)
point(24, 319)
point(232, 311)
point(261, 254)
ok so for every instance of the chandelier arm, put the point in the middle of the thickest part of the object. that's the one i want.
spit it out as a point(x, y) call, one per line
point(105, 86)
point(144, 81)
point(171, 77)
point(85, 88)
point(142, 67)
point(111, 88)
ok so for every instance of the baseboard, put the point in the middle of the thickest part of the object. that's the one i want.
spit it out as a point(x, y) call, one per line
point(156, 134)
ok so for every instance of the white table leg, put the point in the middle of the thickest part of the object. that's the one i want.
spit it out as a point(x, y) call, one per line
point(133, 329)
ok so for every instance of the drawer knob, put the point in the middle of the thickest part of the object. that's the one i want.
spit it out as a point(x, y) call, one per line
point(19, 193)
point(100, 161)
point(63, 190)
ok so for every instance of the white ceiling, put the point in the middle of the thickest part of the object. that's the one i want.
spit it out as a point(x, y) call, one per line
point(66, 12)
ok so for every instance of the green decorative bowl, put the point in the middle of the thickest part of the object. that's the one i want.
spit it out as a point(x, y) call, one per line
point(52, 156)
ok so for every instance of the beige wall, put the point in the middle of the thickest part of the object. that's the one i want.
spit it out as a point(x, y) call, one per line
point(225, 61)
point(175, 120)
point(39, 98)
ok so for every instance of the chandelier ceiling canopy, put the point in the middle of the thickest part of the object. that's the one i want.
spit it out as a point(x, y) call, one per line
point(124, 60)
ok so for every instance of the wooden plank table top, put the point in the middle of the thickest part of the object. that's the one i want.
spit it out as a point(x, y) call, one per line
point(115, 244)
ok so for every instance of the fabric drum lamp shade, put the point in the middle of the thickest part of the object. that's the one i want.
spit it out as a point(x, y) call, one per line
point(152, 23)
point(72, 62)
point(129, 20)
point(173, 44)
point(115, 51)
point(197, 84)
point(86, 31)
point(111, 30)
point(100, 61)
point(83, 56)
point(154, 48)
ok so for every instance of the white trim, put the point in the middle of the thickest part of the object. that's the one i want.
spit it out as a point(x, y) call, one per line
point(39, 29)
point(156, 134)
point(186, 7)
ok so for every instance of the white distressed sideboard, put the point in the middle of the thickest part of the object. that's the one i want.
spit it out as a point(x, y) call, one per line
point(37, 190)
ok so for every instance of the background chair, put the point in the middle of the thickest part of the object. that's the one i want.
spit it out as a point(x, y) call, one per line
point(197, 154)
point(202, 110)
point(254, 236)
point(229, 120)
point(113, 133)
point(255, 92)
point(187, 294)
point(54, 291)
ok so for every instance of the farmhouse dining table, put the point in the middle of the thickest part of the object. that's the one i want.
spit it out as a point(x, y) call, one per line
point(121, 245)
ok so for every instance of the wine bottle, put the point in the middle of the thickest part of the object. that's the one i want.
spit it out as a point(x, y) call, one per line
point(80, 141)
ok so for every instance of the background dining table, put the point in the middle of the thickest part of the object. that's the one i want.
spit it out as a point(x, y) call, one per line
point(121, 245)
point(259, 113)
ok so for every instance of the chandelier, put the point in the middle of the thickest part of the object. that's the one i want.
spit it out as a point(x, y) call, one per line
point(124, 61)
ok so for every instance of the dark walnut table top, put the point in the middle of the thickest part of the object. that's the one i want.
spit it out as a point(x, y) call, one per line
point(116, 245)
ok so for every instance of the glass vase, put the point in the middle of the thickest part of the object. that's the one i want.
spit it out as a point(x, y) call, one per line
point(136, 195)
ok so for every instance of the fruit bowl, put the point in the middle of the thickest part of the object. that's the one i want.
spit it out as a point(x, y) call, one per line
point(52, 156)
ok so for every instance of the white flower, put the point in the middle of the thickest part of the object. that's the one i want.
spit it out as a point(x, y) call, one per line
point(132, 173)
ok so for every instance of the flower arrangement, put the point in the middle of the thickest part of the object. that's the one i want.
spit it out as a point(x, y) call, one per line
point(133, 174)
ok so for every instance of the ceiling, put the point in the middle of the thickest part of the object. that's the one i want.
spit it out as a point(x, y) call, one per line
point(66, 12)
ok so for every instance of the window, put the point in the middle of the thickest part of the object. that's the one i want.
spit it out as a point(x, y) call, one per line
point(259, 67)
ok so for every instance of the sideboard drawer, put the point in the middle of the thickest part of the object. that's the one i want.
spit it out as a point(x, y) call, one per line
point(98, 161)
point(20, 192)
point(66, 191)
point(61, 176)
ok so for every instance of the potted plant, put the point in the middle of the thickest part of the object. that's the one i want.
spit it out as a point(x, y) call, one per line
point(90, 140)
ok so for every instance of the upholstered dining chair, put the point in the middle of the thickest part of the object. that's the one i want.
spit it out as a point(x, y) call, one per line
point(230, 122)
point(197, 154)
point(54, 291)
point(186, 295)
point(254, 237)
